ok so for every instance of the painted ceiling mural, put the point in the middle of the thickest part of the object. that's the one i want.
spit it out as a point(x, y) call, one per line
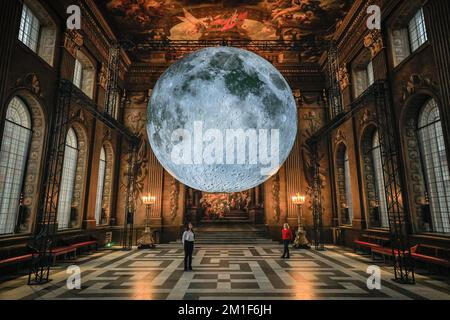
point(309, 21)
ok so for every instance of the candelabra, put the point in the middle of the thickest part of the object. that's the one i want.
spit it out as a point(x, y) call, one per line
point(147, 241)
point(300, 241)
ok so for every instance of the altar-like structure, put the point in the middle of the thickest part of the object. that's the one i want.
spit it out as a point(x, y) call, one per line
point(246, 206)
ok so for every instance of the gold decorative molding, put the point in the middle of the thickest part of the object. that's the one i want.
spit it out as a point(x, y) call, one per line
point(73, 41)
point(374, 42)
point(367, 117)
point(340, 137)
point(78, 116)
point(298, 97)
point(276, 198)
point(174, 196)
point(343, 77)
point(416, 82)
point(31, 82)
point(103, 77)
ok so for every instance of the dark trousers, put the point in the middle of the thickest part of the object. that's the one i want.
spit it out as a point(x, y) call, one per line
point(286, 248)
point(188, 251)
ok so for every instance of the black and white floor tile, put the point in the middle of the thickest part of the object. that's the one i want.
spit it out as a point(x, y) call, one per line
point(225, 272)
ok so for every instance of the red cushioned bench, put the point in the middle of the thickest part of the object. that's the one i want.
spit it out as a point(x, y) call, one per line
point(86, 244)
point(384, 252)
point(373, 248)
point(366, 245)
point(431, 260)
point(15, 260)
point(55, 253)
point(72, 249)
point(376, 249)
point(63, 251)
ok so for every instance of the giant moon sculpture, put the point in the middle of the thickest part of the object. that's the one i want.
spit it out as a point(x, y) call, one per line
point(222, 119)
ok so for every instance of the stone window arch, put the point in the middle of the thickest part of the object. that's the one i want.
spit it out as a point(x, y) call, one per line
point(417, 159)
point(373, 176)
point(104, 185)
point(71, 196)
point(68, 180)
point(80, 178)
point(100, 216)
point(84, 74)
point(22, 143)
point(343, 181)
point(435, 166)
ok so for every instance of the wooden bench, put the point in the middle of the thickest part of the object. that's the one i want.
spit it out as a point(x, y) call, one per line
point(375, 249)
point(431, 260)
point(384, 252)
point(15, 260)
point(86, 244)
point(63, 251)
point(364, 244)
point(416, 254)
point(73, 249)
point(66, 251)
point(428, 259)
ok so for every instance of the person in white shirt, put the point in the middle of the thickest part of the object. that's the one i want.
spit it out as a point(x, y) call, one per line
point(188, 240)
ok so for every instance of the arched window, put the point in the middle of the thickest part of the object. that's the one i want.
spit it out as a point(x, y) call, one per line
point(380, 189)
point(348, 188)
point(100, 188)
point(435, 166)
point(84, 74)
point(68, 180)
point(345, 200)
point(13, 159)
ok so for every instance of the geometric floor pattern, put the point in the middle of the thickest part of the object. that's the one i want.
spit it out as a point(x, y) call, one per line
point(225, 272)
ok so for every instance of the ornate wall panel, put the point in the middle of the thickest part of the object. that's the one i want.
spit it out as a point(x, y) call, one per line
point(34, 163)
point(150, 172)
point(81, 173)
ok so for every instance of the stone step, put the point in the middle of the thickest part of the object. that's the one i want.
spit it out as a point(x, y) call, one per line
point(229, 238)
point(227, 227)
point(226, 221)
point(236, 214)
point(232, 233)
point(235, 217)
point(227, 234)
point(223, 229)
point(240, 235)
point(235, 241)
point(235, 232)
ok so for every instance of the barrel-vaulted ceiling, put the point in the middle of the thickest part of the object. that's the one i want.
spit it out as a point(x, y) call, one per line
point(310, 22)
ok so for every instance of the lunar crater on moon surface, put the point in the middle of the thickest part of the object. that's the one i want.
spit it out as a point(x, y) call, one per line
point(222, 88)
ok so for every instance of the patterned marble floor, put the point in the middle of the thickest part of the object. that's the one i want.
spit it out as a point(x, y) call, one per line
point(226, 272)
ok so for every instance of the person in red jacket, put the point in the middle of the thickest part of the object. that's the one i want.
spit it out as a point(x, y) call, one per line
point(287, 238)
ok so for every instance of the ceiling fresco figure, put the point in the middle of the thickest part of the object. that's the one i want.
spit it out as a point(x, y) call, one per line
point(309, 21)
point(193, 28)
